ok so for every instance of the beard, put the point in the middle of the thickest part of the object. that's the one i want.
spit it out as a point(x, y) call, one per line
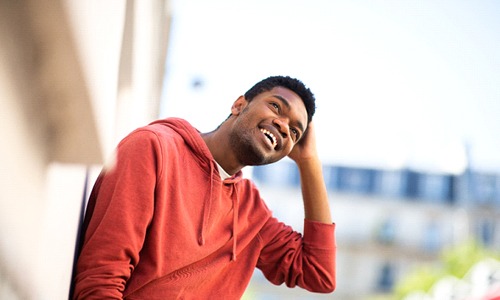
point(247, 150)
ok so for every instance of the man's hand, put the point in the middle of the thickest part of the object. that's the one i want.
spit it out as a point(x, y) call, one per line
point(305, 149)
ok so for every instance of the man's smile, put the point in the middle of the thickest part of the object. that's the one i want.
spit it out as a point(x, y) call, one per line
point(270, 137)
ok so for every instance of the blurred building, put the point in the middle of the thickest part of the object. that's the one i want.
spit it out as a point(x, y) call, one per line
point(389, 221)
point(74, 77)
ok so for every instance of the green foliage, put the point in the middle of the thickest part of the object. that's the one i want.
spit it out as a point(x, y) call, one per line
point(455, 261)
point(458, 260)
point(420, 279)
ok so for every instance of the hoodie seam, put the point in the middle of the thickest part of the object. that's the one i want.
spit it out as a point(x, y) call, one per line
point(160, 146)
point(160, 156)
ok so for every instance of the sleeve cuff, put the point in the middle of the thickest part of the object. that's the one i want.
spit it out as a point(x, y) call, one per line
point(319, 235)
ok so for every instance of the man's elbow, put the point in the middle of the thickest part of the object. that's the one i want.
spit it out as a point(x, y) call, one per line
point(329, 288)
point(326, 286)
point(328, 281)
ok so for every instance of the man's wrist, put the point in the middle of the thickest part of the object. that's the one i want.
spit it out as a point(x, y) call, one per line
point(308, 162)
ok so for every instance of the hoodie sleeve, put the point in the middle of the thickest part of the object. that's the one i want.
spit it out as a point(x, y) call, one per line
point(121, 205)
point(307, 261)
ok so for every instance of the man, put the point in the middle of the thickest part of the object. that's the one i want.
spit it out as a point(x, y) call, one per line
point(174, 219)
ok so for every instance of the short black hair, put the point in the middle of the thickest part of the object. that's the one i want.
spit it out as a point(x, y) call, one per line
point(290, 83)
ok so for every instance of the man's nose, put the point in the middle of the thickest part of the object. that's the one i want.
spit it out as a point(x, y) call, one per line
point(282, 124)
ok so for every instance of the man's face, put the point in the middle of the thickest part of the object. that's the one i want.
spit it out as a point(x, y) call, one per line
point(267, 127)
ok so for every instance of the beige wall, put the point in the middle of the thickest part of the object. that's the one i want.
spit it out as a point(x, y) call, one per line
point(22, 163)
point(63, 68)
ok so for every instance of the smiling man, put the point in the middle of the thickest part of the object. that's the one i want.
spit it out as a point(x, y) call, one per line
point(174, 219)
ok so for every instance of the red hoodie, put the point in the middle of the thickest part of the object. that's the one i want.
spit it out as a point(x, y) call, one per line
point(162, 224)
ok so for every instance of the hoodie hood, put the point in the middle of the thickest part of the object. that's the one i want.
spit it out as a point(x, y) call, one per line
point(192, 138)
point(195, 142)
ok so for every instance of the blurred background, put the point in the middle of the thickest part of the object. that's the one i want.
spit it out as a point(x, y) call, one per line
point(408, 99)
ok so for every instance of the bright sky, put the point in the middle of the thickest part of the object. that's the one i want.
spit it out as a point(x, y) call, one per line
point(398, 83)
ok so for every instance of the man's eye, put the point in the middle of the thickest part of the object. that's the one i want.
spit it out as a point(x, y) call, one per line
point(295, 132)
point(275, 105)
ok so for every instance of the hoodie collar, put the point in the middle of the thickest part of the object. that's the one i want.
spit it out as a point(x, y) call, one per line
point(223, 174)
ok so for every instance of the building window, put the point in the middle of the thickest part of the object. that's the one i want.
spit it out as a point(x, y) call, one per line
point(432, 238)
point(386, 232)
point(429, 187)
point(356, 180)
point(332, 178)
point(411, 184)
point(288, 174)
point(486, 232)
point(486, 188)
point(436, 187)
point(389, 183)
point(385, 280)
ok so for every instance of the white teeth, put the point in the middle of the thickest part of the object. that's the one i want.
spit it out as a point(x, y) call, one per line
point(269, 134)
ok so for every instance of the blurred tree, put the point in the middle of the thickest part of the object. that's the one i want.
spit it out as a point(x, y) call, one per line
point(455, 261)
point(421, 278)
point(458, 260)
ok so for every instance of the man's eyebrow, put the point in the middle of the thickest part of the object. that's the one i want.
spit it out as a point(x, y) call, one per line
point(287, 104)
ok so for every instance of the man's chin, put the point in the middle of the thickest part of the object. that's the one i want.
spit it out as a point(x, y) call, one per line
point(253, 154)
point(256, 158)
point(265, 161)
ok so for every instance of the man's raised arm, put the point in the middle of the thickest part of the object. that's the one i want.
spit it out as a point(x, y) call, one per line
point(314, 194)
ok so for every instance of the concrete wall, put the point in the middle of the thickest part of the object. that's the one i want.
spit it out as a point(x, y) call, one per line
point(63, 68)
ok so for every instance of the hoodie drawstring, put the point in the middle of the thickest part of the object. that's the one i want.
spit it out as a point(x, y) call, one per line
point(206, 209)
point(236, 203)
point(206, 213)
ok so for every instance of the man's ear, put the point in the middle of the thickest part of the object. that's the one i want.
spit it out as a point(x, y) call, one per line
point(238, 105)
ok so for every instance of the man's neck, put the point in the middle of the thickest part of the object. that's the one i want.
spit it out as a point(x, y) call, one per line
point(218, 145)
